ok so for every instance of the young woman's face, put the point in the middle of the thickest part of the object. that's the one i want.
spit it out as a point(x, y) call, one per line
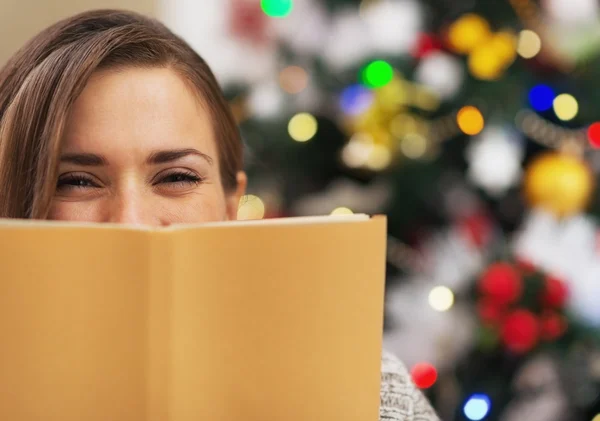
point(139, 148)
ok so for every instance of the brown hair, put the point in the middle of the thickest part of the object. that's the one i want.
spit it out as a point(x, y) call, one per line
point(40, 82)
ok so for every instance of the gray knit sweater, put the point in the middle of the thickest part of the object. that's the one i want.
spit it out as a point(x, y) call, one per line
point(400, 399)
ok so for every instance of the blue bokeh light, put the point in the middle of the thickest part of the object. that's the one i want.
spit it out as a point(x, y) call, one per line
point(477, 407)
point(541, 97)
point(355, 99)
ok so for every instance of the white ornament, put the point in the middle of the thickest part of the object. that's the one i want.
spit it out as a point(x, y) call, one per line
point(305, 28)
point(393, 26)
point(348, 42)
point(442, 73)
point(566, 249)
point(495, 160)
point(266, 100)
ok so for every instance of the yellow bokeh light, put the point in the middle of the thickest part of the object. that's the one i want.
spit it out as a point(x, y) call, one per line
point(413, 145)
point(565, 107)
point(379, 158)
point(293, 79)
point(596, 418)
point(504, 45)
point(470, 120)
point(441, 298)
point(342, 211)
point(529, 44)
point(356, 153)
point(468, 32)
point(485, 63)
point(302, 127)
point(251, 207)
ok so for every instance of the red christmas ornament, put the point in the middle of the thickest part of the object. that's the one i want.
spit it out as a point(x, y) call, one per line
point(520, 331)
point(424, 375)
point(555, 292)
point(502, 283)
point(426, 44)
point(489, 312)
point(552, 326)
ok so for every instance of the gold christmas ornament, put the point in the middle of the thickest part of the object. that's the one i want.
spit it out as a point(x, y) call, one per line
point(559, 183)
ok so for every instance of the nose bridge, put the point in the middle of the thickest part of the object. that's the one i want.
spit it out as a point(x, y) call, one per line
point(129, 207)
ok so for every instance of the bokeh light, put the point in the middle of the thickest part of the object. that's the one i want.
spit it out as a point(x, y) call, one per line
point(302, 127)
point(251, 207)
point(470, 120)
point(441, 298)
point(485, 63)
point(529, 45)
point(424, 375)
point(277, 8)
point(379, 158)
point(565, 107)
point(477, 407)
point(293, 79)
point(413, 145)
point(377, 74)
point(541, 97)
point(593, 133)
point(355, 99)
point(504, 45)
point(342, 211)
point(468, 32)
point(356, 153)
point(596, 418)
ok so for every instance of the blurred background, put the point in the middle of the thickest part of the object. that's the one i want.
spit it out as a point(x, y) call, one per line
point(474, 125)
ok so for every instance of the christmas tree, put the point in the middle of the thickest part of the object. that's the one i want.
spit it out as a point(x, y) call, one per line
point(473, 125)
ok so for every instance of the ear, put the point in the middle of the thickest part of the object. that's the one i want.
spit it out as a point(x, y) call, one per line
point(233, 199)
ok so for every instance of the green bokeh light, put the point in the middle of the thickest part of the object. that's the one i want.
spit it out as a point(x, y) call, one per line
point(377, 74)
point(277, 8)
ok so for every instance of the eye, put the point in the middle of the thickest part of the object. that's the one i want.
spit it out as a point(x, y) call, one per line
point(75, 181)
point(180, 179)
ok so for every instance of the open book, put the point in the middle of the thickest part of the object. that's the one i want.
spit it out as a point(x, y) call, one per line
point(267, 320)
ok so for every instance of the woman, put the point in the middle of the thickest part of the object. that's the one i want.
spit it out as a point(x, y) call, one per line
point(109, 117)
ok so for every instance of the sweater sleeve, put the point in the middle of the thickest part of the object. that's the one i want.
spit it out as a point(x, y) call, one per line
point(400, 398)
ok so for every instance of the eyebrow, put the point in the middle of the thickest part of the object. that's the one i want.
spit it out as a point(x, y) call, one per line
point(158, 157)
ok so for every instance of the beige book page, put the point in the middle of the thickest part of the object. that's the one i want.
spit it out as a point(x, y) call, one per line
point(277, 323)
point(73, 323)
point(223, 323)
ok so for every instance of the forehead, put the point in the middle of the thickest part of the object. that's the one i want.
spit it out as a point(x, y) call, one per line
point(129, 110)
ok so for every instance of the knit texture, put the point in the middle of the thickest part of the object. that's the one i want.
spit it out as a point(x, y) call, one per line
point(400, 398)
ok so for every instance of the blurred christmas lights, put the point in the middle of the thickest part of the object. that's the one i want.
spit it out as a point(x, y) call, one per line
point(277, 8)
point(377, 74)
point(470, 120)
point(529, 44)
point(593, 133)
point(251, 207)
point(541, 97)
point(355, 99)
point(379, 158)
point(302, 127)
point(293, 79)
point(341, 211)
point(477, 407)
point(468, 32)
point(413, 145)
point(441, 298)
point(424, 375)
point(565, 107)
